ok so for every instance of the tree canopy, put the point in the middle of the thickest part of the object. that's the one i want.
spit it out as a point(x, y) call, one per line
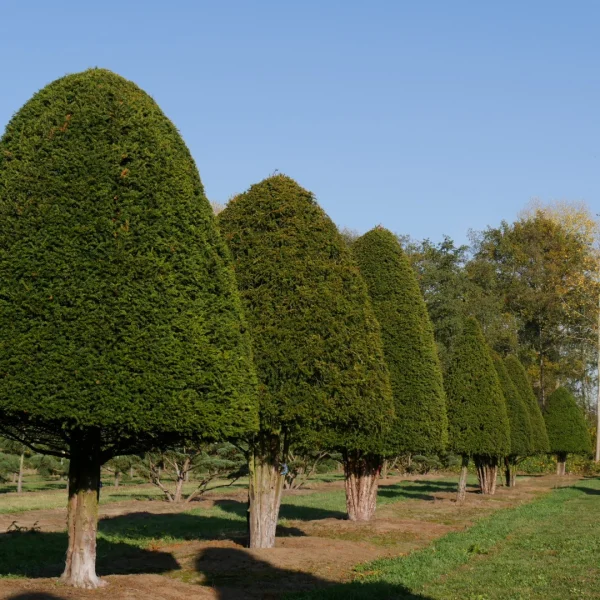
point(567, 431)
point(317, 344)
point(518, 375)
point(409, 347)
point(118, 307)
point(521, 432)
point(477, 415)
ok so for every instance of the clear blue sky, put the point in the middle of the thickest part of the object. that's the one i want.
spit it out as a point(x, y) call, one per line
point(428, 117)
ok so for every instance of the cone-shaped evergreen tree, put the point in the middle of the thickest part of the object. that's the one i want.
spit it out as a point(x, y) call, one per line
point(317, 344)
point(518, 418)
point(539, 436)
point(477, 416)
point(120, 322)
point(421, 423)
point(565, 423)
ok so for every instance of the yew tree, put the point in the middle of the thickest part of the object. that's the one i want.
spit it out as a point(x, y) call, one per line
point(410, 352)
point(477, 417)
point(316, 342)
point(518, 375)
point(521, 432)
point(120, 323)
point(567, 430)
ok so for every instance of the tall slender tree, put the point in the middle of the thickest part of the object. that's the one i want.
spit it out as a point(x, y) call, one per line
point(567, 431)
point(518, 375)
point(120, 324)
point(477, 415)
point(421, 422)
point(521, 432)
point(317, 344)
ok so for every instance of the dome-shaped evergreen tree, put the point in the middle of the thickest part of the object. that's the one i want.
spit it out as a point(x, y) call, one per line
point(539, 436)
point(477, 417)
point(518, 418)
point(567, 431)
point(421, 423)
point(317, 344)
point(120, 323)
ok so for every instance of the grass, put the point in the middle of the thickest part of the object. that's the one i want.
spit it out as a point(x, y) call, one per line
point(132, 536)
point(546, 549)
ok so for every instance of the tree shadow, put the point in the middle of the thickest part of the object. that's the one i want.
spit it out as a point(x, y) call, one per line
point(586, 490)
point(235, 574)
point(292, 512)
point(416, 490)
point(183, 526)
point(35, 596)
point(39, 554)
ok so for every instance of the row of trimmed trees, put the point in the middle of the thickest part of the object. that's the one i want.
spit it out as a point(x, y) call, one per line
point(132, 320)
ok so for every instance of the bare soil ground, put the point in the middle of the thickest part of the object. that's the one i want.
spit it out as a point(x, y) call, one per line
point(318, 552)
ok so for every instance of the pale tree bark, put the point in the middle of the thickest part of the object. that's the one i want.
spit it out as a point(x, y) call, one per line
point(561, 460)
point(598, 402)
point(362, 480)
point(385, 469)
point(20, 478)
point(265, 487)
point(487, 473)
point(462, 481)
point(82, 511)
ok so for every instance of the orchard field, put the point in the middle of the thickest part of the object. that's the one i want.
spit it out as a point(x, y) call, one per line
point(244, 401)
point(536, 540)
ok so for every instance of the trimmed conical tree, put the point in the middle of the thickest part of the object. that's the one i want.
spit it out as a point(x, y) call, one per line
point(421, 424)
point(518, 375)
point(477, 416)
point(120, 323)
point(317, 344)
point(518, 418)
point(567, 431)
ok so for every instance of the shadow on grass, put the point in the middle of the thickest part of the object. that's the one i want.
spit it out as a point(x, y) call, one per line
point(182, 526)
point(586, 490)
point(416, 490)
point(43, 554)
point(293, 512)
point(229, 571)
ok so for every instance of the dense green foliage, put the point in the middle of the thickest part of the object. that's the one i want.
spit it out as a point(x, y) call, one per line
point(518, 415)
point(317, 344)
point(452, 294)
point(409, 348)
point(542, 271)
point(539, 436)
point(118, 308)
point(477, 416)
point(565, 423)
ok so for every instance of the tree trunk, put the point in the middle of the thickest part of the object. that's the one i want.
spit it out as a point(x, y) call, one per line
point(178, 496)
point(117, 477)
point(264, 491)
point(20, 478)
point(598, 402)
point(510, 471)
point(561, 460)
point(462, 482)
point(384, 469)
point(130, 472)
point(82, 511)
point(14, 477)
point(487, 473)
point(362, 479)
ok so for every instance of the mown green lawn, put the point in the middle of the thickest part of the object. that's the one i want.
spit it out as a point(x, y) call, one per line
point(549, 549)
